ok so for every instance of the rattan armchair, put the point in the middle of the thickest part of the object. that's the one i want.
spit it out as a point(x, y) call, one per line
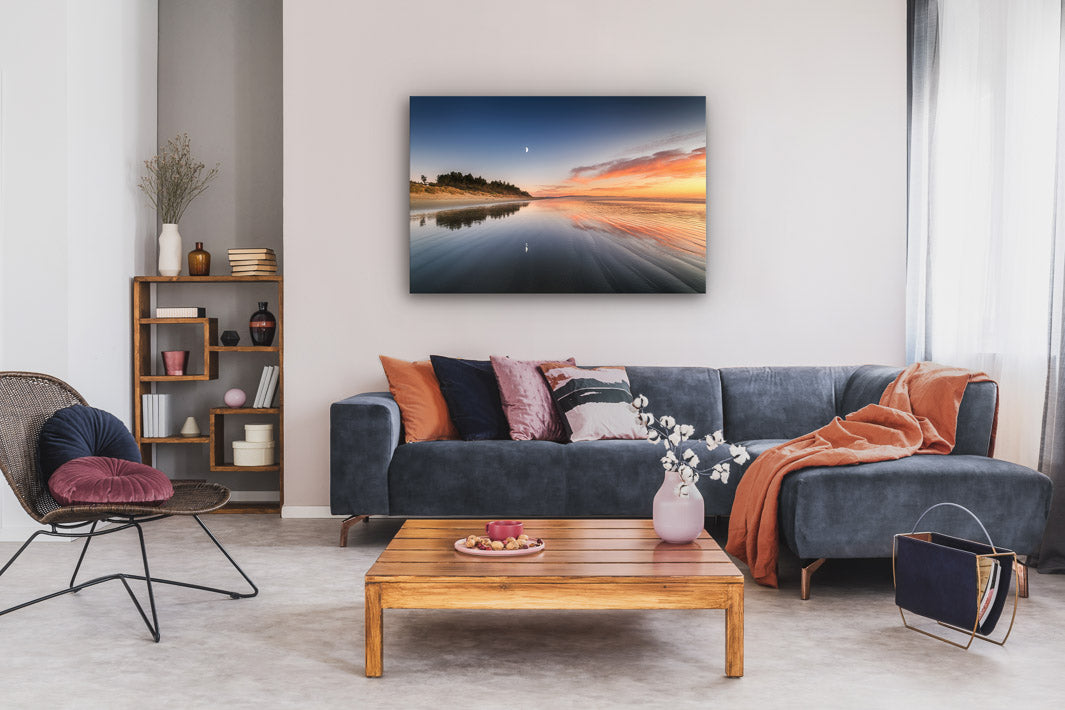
point(27, 400)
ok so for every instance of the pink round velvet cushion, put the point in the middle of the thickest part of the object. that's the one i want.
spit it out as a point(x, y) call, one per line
point(94, 480)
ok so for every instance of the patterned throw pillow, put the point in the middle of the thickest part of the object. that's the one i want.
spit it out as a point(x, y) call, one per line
point(595, 403)
point(527, 402)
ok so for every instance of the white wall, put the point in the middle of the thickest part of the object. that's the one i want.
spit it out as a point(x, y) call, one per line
point(806, 172)
point(77, 117)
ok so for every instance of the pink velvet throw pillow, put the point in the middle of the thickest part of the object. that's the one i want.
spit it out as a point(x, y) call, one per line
point(527, 403)
point(100, 480)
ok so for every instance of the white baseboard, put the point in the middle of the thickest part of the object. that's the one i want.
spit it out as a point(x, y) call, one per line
point(308, 511)
point(19, 533)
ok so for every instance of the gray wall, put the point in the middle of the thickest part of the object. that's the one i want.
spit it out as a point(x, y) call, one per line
point(220, 82)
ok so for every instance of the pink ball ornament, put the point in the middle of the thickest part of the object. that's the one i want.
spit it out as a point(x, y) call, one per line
point(235, 398)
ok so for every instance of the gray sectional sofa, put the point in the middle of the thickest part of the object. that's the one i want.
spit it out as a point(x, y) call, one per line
point(846, 511)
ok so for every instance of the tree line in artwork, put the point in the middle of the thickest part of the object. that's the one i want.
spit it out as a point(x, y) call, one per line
point(476, 184)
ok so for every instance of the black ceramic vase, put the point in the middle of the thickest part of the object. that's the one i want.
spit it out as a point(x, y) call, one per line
point(263, 325)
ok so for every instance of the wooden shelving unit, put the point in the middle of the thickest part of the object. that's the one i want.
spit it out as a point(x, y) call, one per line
point(145, 352)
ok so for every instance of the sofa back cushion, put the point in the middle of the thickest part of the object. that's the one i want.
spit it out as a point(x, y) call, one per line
point(780, 402)
point(691, 395)
point(976, 415)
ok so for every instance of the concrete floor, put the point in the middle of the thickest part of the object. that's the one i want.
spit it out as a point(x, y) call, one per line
point(300, 643)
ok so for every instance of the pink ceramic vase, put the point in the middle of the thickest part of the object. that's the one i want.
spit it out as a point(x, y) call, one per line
point(677, 520)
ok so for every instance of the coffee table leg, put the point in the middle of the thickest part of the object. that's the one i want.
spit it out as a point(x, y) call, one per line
point(734, 635)
point(374, 632)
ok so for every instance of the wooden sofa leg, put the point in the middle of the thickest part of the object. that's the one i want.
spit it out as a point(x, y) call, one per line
point(345, 527)
point(807, 573)
point(1021, 570)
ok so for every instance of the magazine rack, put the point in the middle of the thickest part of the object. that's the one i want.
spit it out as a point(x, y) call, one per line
point(938, 576)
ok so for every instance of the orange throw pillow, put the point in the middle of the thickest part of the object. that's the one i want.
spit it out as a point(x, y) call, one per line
point(421, 404)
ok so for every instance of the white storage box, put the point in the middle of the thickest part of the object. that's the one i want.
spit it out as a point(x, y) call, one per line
point(253, 453)
point(259, 432)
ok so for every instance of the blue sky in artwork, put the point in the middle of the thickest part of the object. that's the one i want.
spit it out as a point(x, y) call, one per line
point(573, 142)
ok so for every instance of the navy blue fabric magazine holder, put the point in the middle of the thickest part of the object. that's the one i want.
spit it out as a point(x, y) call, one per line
point(936, 576)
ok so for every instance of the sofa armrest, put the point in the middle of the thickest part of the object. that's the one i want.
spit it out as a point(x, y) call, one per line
point(363, 433)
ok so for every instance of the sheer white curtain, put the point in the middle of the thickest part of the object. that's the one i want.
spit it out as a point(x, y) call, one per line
point(983, 154)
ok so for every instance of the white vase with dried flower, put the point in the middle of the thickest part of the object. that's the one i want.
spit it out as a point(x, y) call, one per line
point(172, 180)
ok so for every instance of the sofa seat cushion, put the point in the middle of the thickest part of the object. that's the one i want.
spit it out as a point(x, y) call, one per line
point(477, 479)
point(855, 511)
point(622, 477)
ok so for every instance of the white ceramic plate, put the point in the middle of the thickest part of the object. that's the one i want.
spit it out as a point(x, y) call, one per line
point(460, 545)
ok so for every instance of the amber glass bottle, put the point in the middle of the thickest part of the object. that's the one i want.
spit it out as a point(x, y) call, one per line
point(199, 261)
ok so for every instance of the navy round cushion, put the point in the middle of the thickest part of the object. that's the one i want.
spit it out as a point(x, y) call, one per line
point(77, 431)
point(101, 480)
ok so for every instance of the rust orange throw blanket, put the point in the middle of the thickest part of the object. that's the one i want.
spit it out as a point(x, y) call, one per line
point(917, 414)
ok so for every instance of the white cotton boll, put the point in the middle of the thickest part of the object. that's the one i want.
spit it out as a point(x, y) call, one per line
point(739, 454)
point(668, 422)
point(688, 455)
point(694, 460)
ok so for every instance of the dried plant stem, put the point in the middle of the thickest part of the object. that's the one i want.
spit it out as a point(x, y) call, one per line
point(173, 179)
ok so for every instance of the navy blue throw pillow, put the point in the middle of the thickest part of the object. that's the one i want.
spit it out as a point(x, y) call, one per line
point(77, 431)
point(472, 395)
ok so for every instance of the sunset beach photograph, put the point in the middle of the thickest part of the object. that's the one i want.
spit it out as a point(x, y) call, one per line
point(558, 194)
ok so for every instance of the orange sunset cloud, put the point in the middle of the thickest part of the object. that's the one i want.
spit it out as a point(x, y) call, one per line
point(666, 173)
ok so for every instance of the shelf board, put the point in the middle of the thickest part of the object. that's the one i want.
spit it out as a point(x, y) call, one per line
point(173, 321)
point(245, 410)
point(244, 348)
point(244, 506)
point(208, 279)
point(261, 469)
point(175, 439)
point(177, 378)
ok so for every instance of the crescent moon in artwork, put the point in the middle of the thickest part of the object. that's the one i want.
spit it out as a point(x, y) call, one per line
point(526, 149)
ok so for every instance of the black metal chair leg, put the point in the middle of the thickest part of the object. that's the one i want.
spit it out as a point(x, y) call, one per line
point(26, 544)
point(84, 549)
point(234, 595)
point(153, 626)
point(149, 581)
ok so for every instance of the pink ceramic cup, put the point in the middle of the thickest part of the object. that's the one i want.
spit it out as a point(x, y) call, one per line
point(502, 529)
point(175, 361)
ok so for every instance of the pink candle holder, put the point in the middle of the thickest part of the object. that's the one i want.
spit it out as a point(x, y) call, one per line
point(175, 361)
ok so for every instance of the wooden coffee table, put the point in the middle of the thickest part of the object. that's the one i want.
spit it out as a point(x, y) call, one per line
point(587, 564)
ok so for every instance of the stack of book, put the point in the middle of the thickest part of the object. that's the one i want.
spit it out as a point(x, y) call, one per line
point(264, 396)
point(253, 262)
point(181, 312)
point(155, 415)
